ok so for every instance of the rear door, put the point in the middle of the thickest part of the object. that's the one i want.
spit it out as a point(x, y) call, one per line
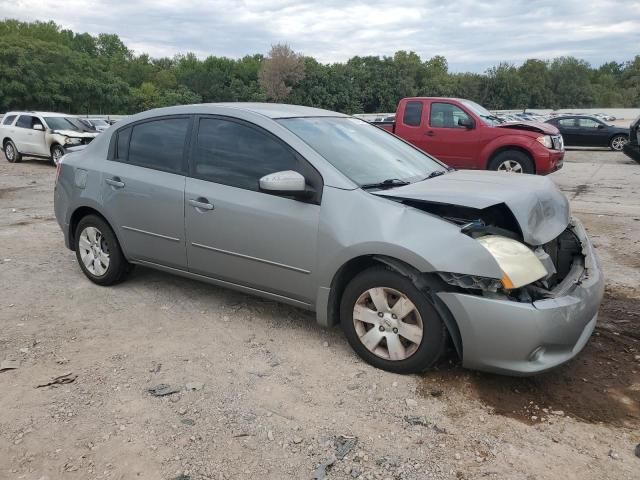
point(143, 189)
point(569, 129)
point(446, 140)
point(237, 233)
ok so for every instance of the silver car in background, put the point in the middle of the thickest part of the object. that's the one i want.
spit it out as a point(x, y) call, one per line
point(326, 212)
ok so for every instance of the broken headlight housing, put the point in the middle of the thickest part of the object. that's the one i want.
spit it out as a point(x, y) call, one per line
point(519, 264)
point(471, 281)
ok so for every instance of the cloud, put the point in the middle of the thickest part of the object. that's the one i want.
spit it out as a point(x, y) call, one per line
point(472, 34)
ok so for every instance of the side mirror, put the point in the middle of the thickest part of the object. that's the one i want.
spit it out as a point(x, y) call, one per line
point(286, 182)
point(465, 122)
point(600, 126)
point(39, 127)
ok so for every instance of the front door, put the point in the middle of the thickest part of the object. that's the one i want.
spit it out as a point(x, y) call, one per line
point(446, 140)
point(143, 190)
point(28, 140)
point(238, 234)
point(592, 132)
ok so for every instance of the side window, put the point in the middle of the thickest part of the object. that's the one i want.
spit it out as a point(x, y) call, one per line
point(238, 155)
point(587, 123)
point(567, 122)
point(8, 120)
point(122, 145)
point(446, 115)
point(159, 144)
point(412, 114)
point(24, 121)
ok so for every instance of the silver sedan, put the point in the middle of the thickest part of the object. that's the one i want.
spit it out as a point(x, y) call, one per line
point(329, 213)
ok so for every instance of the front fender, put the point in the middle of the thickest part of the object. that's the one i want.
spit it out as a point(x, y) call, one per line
point(510, 140)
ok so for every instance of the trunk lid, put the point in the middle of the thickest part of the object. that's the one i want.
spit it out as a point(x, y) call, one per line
point(541, 210)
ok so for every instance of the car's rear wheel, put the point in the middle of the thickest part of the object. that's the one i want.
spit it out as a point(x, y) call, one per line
point(11, 152)
point(56, 154)
point(512, 161)
point(390, 323)
point(618, 142)
point(98, 252)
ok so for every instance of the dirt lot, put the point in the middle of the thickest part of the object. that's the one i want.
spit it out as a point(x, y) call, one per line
point(265, 393)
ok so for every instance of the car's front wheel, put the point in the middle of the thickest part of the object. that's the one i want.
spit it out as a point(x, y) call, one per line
point(56, 154)
point(98, 252)
point(512, 161)
point(11, 152)
point(618, 142)
point(390, 323)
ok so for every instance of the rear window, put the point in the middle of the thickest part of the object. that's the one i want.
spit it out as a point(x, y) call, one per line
point(412, 114)
point(159, 144)
point(8, 120)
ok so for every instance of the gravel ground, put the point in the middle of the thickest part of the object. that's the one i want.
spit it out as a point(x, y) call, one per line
point(263, 392)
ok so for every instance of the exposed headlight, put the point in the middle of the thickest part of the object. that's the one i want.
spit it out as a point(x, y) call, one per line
point(546, 141)
point(70, 140)
point(519, 264)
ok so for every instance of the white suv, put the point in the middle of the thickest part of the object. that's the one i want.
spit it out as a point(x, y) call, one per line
point(40, 134)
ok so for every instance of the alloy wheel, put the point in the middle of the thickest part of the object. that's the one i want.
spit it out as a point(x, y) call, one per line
point(618, 143)
point(387, 323)
point(9, 152)
point(94, 251)
point(512, 166)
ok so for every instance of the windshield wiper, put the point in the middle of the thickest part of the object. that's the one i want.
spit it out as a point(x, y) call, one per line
point(388, 183)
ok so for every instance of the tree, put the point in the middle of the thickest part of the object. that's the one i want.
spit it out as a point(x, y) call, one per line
point(280, 72)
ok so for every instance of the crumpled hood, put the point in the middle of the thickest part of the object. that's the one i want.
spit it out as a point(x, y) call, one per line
point(541, 210)
point(75, 134)
point(540, 127)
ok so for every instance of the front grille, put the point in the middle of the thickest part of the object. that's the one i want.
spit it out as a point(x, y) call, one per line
point(557, 142)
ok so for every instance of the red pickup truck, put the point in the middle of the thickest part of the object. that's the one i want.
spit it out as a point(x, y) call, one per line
point(463, 134)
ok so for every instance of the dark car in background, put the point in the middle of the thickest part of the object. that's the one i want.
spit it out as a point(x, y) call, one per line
point(590, 131)
point(632, 149)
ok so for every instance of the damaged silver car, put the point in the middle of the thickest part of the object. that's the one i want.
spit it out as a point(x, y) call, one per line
point(329, 213)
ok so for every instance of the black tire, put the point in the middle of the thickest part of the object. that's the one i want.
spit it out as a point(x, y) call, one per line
point(434, 337)
point(56, 152)
point(617, 142)
point(14, 156)
point(513, 156)
point(118, 266)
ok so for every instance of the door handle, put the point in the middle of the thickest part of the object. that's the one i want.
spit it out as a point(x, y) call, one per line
point(114, 182)
point(430, 133)
point(201, 203)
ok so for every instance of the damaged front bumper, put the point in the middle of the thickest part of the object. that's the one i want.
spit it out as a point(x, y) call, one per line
point(505, 336)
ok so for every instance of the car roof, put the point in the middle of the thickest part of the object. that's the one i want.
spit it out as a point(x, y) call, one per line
point(271, 110)
point(41, 114)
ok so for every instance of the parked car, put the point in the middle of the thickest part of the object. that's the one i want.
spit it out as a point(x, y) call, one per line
point(40, 134)
point(632, 148)
point(590, 131)
point(97, 124)
point(329, 213)
point(463, 134)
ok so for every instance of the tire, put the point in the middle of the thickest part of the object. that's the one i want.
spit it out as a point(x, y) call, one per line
point(512, 161)
point(384, 335)
point(95, 239)
point(56, 154)
point(11, 152)
point(617, 142)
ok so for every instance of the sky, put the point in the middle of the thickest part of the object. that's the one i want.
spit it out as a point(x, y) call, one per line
point(472, 34)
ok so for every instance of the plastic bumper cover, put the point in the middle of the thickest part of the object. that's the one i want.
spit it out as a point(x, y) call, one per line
point(510, 337)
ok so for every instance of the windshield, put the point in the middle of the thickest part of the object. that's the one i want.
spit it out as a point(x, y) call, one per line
point(488, 117)
point(60, 123)
point(362, 152)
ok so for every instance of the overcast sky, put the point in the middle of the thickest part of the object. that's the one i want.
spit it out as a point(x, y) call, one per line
point(471, 34)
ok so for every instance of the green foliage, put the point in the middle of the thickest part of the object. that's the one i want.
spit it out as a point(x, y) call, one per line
point(44, 67)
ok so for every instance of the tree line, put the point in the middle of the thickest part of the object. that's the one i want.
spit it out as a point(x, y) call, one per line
point(46, 67)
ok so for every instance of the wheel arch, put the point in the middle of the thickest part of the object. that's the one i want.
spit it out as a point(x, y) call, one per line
point(506, 148)
point(5, 140)
point(78, 214)
point(428, 283)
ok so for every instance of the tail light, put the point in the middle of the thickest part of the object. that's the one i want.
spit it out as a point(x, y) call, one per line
point(58, 170)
